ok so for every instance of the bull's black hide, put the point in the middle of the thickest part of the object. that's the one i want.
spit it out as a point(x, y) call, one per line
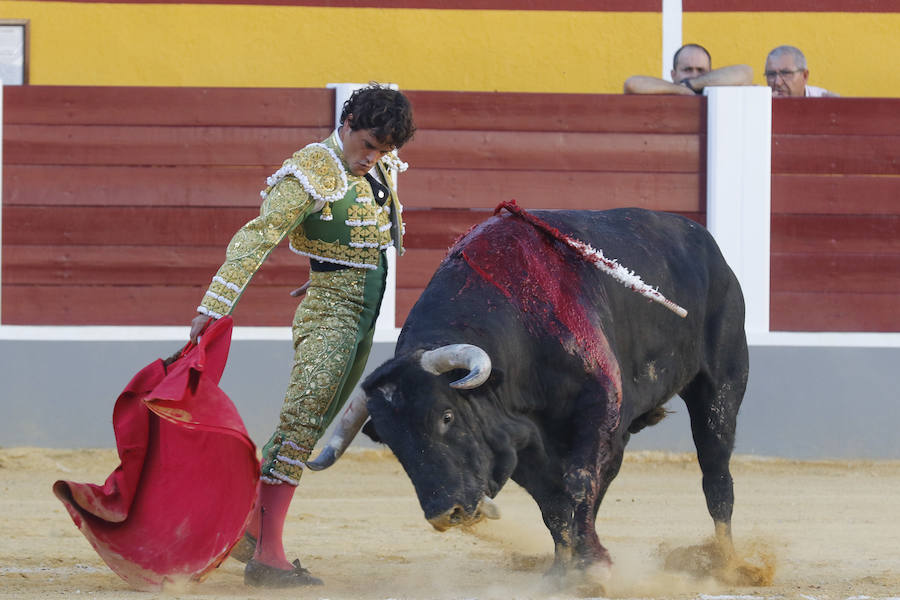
point(578, 363)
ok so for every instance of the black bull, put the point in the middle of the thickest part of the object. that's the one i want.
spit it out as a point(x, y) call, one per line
point(522, 360)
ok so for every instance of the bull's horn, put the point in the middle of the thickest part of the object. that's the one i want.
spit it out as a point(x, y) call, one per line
point(459, 356)
point(351, 421)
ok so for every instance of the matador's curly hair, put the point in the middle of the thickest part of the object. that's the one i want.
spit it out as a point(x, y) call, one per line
point(385, 111)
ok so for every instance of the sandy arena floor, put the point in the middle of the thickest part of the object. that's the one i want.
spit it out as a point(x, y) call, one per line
point(830, 530)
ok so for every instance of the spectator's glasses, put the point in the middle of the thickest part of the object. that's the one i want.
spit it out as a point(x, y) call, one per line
point(785, 74)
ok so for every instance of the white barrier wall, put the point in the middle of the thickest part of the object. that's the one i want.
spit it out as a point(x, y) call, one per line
point(738, 189)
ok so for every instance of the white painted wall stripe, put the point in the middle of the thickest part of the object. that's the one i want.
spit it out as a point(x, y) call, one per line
point(738, 189)
point(671, 34)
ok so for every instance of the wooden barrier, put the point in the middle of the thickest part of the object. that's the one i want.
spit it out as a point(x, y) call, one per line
point(118, 202)
point(836, 215)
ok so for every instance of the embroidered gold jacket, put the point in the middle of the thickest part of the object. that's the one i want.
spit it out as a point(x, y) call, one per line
point(328, 213)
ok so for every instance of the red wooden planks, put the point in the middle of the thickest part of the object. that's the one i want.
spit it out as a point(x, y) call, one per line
point(836, 194)
point(114, 185)
point(264, 306)
point(121, 225)
point(812, 311)
point(115, 265)
point(153, 146)
point(836, 116)
point(462, 188)
point(416, 266)
point(547, 151)
point(439, 228)
point(587, 113)
point(168, 106)
point(314, 107)
point(192, 226)
point(831, 272)
point(846, 154)
point(211, 186)
point(836, 233)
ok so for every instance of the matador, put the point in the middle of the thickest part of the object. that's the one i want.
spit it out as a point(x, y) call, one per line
point(336, 202)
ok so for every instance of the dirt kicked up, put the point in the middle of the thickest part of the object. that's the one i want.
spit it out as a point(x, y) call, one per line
point(802, 530)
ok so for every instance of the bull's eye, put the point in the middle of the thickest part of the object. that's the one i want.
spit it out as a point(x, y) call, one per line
point(446, 419)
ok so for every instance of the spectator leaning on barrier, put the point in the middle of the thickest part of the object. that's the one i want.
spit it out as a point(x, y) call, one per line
point(691, 72)
point(787, 74)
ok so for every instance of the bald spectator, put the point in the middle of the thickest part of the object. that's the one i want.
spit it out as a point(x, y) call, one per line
point(787, 74)
point(691, 72)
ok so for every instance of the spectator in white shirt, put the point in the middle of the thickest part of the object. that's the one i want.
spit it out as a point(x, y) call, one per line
point(786, 73)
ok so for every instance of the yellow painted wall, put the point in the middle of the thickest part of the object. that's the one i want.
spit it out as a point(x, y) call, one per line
point(289, 46)
point(74, 43)
point(853, 54)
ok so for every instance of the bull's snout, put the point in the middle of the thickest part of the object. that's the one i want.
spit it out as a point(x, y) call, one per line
point(451, 518)
point(458, 515)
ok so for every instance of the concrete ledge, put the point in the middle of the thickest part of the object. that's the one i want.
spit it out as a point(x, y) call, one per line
point(802, 402)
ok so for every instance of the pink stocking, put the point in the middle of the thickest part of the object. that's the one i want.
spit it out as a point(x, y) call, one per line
point(273, 501)
point(253, 525)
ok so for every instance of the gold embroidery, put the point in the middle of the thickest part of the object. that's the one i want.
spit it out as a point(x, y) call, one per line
point(358, 213)
point(363, 190)
point(282, 209)
point(325, 333)
point(366, 235)
point(336, 252)
point(323, 172)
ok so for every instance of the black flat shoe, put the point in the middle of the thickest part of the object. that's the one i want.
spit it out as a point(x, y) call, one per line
point(244, 549)
point(257, 574)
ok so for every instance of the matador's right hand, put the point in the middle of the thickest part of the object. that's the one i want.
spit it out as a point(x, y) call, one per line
point(198, 324)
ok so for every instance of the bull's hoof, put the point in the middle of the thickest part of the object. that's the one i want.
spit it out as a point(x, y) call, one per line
point(595, 577)
point(556, 578)
point(588, 581)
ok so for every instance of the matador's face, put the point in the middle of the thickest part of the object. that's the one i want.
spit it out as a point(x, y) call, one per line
point(361, 148)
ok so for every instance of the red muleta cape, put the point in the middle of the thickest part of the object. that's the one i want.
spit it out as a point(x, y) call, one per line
point(182, 495)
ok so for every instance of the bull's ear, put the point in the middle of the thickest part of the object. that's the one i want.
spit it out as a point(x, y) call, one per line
point(369, 430)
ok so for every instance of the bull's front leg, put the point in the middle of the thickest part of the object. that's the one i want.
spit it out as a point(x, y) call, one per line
point(594, 461)
point(544, 486)
point(558, 514)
